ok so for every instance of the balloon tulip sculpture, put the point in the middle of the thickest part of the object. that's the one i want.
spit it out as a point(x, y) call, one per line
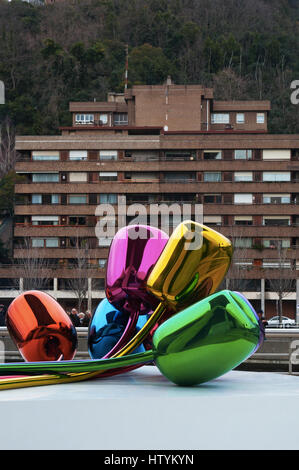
point(161, 307)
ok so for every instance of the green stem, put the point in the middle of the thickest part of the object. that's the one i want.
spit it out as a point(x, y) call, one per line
point(93, 365)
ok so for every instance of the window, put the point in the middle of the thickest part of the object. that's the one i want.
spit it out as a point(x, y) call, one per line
point(51, 242)
point(179, 155)
point(108, 154)
point(218, 118)
point(244, 264)
point(212, 220)
point(108, 176)
point(240, 176)
point(212, 155)
point(277, 243)
point(102, 262)
point(108, 198)
point(240, 118)
point(45, 177)
point(243, 198)
point(243, 220)
point(37, 242)
point(45, 155)
point(243, 242)
point(179, 177)
point(212, 199)
point(120, 119)
point(36, 198)
point(276, 198)
point(84, 118)
point(274, 264)
point(45, 198)
point(275, 176)
point(276, 154)
point(44, 220)
point(78, 199)
point(76, 177)
point(98, 284)
point(78, 155)
point(77, 220)
point(276, 220)
point(105, 241)
point(45, 242)
point(104, 119)
point(140, 176)
point(260, 118)
point(212, 176)
point(243, 154)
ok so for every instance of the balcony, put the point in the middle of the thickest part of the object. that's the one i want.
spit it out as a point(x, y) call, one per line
point(158, 164)
point(61, 253)
point(15, 271)
point(259, 231)
point(24, 230)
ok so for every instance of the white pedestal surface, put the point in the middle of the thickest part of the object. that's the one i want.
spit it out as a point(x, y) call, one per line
point(143, 410)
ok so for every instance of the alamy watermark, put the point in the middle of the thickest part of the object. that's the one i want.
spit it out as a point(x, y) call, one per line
point(295, 93)
point(2, 93)
point(112, 219)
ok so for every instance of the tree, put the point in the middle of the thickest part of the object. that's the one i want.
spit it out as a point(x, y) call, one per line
point(235, 279)
point(33, 268)
point(8, 154)
point(7, 192)
point(283, 283)
point(81, 264)
point(148, 65)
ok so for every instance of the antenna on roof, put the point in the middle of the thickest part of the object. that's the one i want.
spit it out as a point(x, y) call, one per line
point(127, 66)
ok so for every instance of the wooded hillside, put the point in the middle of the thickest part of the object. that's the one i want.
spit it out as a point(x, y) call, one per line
point(75, 50)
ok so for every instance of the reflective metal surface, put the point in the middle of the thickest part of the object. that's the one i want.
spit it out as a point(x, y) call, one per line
point(191, 267)
point(262, 329)
point(40, 328)
point(207, 339)
point(198, 344)
point(107, 329)
point(133, 253)
point(180, 277)
point(184, 275)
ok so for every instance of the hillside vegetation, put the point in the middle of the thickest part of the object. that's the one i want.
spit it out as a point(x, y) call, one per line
point(75, 50)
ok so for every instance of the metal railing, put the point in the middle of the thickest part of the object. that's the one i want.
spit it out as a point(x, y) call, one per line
point(285, 343)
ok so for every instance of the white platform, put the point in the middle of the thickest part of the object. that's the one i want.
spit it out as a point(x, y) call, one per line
point(142, 410)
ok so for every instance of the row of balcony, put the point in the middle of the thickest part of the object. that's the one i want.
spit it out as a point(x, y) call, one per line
point(228, 209)
point(186, 186)
point(65, 251)
point(158, 164)
point(253, 272)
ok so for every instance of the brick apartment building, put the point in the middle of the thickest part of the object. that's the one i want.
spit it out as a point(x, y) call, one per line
point(153, 144)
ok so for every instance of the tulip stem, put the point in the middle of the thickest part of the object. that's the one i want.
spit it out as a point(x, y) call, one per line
point(143, 332)
point(91, 365)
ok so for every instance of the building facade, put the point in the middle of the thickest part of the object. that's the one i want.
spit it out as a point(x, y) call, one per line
point(153, 145)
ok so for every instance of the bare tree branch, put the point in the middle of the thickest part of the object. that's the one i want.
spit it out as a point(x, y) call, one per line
point(8, 154)
point(79, 284)
point(283, 284)
point(34, 270)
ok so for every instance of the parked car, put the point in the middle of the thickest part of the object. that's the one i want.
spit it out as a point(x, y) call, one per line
point(285, 322)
